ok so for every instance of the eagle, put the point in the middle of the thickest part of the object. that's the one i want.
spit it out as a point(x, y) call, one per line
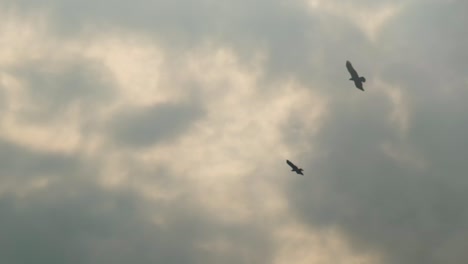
point(294, 167)
point(354, 76)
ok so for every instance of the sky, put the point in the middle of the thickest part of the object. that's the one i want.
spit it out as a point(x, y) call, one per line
point(157, 131)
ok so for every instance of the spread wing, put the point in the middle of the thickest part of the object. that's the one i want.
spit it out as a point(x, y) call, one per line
point(291, 164)
point(351, 70)
point(358, 84)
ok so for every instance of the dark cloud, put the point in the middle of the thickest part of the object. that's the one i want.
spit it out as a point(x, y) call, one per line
point(149, 125)
point(432, 39)
point(407, 214)
point(22, 164)
point(402, 212)
point(54, 87)
point(74, 220)
point(97, 226)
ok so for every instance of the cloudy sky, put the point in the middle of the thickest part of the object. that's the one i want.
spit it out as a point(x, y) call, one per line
point(157, 131)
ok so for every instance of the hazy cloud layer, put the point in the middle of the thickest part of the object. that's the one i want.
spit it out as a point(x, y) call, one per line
point(157, 132)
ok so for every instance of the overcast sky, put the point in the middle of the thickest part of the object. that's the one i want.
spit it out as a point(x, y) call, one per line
point(157, 132)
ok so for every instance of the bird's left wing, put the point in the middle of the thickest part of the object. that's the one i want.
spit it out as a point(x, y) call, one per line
point(291, 164)
point(351, 70)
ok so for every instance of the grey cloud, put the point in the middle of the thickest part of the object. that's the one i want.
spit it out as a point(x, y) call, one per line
point(23, 163)
point(74, 220)
point(53, 89)
point(380, 204)
point(293, 37)
point(406, 214)
point(3, 99)
point(149, 125)
point(287, 31)
point(430, 38)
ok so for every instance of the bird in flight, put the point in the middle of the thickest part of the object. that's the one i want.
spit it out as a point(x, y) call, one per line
point(294, 167)
point(355, 77)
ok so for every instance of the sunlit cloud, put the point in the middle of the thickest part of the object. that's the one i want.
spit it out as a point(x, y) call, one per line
point(131, 141)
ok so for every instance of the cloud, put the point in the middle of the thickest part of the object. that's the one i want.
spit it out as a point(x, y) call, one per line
point(53, 88)
point(80, 222)
point(157, 132)
point(161, 122)
point(83, 197)
point(409, 211)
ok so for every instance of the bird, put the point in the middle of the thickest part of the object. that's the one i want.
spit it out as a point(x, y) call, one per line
point(294, 167)
point(354, 76)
